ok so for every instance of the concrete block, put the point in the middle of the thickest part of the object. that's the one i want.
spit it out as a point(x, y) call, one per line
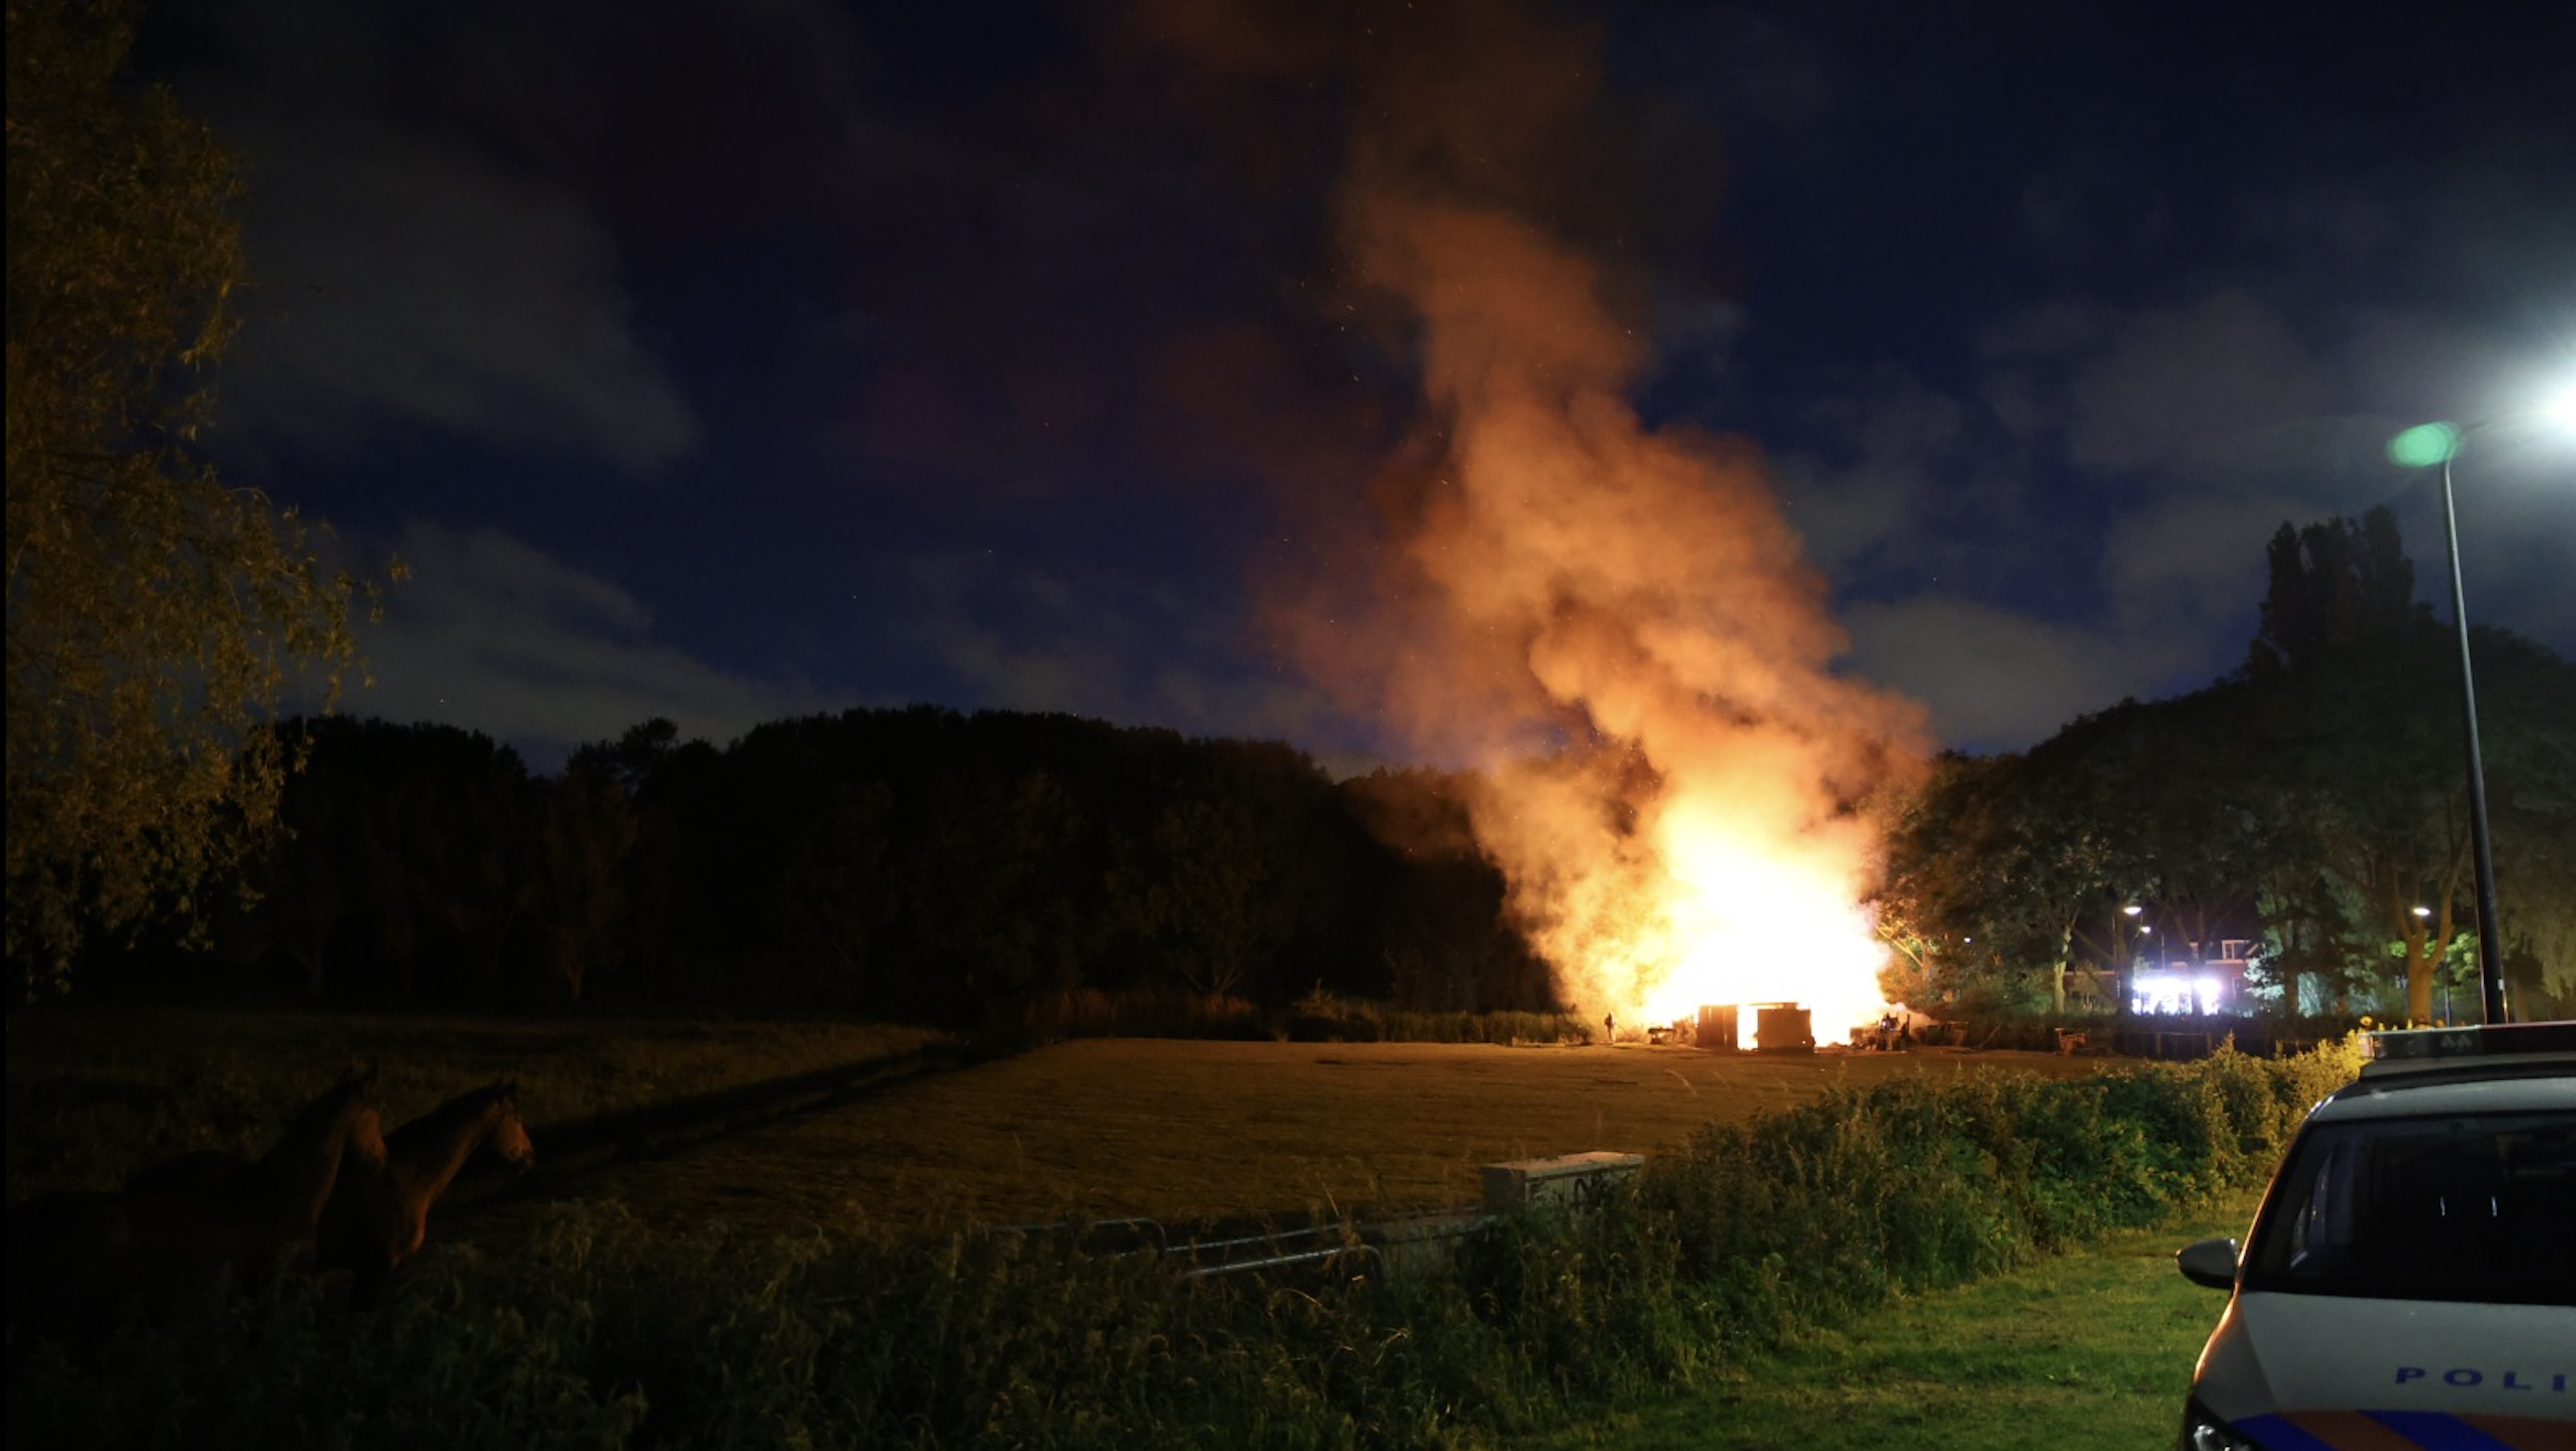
point(1568, 1181)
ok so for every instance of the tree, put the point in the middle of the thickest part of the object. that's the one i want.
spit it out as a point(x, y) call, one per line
point(1991, 870)
point(1432, 902)
point(632, 758)
point(585, 832)
point(834, 899)
point(2336, 587)
point(992, 881)
point(2351, 729)
point(2353, 715)
point(1932, 901)
point(153, 612)
point(407, 859)
point(1231, 869)
point(2001, 866)
point(2531, 791)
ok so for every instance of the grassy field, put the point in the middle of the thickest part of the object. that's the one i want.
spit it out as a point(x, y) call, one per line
point(1098, 1128)
point(2090, 1351)
point(1183, 1130)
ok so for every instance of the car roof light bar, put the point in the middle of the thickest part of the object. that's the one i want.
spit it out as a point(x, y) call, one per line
point(2480, 1041)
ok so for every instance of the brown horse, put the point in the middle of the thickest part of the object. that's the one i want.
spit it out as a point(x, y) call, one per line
point(378, 1219)
point(78, 1263)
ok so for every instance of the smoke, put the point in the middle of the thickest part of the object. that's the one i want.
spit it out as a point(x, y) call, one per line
point(1614, 622)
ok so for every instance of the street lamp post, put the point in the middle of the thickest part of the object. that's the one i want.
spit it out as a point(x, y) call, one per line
point(2490, 944)
point(2441, 443)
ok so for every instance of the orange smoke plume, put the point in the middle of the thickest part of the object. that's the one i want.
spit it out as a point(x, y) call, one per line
point(1695, 839)
point(1614, 622)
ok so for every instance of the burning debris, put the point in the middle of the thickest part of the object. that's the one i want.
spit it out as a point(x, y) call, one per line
point(1755, 1028)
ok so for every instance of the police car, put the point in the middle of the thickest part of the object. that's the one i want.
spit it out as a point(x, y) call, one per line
point(2410, 1280)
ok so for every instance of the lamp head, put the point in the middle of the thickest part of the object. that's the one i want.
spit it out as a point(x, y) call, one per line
point(2425, 445)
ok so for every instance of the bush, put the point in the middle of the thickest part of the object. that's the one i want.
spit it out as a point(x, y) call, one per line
point(1324, 1017)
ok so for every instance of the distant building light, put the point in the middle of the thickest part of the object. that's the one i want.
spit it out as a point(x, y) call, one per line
point(2160, 990)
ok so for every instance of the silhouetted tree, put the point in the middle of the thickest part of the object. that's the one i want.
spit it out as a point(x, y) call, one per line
point(153, 611)
point(1225, 878)
point(634, 756)
point(2336, 587)
point(585, 831)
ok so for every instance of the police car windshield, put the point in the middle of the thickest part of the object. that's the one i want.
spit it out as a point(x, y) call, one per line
point(2460, 1207)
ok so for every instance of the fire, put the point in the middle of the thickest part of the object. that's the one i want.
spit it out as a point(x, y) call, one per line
point(1760, 919)
point(1639, 594)
point(1612, 619)
point(1721, 893)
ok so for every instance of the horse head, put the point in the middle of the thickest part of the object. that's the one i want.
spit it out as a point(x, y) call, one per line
point(509, 1135)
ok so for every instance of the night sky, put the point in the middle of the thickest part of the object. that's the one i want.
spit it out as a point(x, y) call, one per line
point(730, 361)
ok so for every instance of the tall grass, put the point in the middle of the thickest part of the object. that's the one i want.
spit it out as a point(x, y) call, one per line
point(1317, 1017)
point(601, 1332)
point(1321, 1016)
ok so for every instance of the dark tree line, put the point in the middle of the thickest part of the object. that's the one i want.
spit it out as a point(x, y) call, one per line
point(2311, 802)
point(956, 869)
point(913, 863)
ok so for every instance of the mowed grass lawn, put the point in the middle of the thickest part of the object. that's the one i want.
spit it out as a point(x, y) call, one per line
point(1192, 1131)
point(2090, 1351)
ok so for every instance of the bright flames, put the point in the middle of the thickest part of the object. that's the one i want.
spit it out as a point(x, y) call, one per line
point(1714, 898)
point(1762, 921)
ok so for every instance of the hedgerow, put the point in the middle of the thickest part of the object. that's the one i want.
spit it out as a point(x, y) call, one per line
point(599, 1331)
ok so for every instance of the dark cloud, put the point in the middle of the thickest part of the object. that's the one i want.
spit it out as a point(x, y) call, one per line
point(405, 280)
point(1023, 635)
point(406, 285)
point(495, 633)
point(1988, 673)
point(2218, 387)
point(2036, 320)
